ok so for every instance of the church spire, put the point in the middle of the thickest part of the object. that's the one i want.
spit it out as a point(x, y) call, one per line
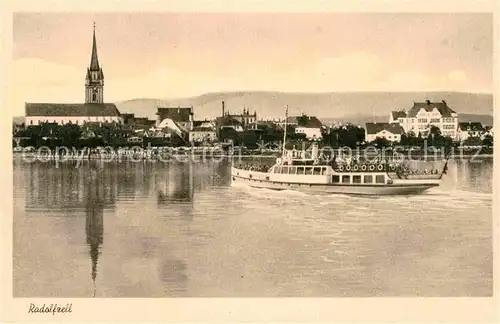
point(94, 61)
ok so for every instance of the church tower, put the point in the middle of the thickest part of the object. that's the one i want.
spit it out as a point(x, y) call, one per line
point(94, 81)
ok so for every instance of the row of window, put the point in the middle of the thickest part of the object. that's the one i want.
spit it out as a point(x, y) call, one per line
point(300, 170)
point(357, 179)
point(76, 122)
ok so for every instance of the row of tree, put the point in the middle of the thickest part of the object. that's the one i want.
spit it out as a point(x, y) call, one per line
point(115, 135)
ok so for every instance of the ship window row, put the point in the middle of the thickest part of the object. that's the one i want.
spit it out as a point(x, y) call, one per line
point(357, 179)
point(300, 170)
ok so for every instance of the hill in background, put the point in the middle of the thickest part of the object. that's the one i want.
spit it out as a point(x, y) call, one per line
point(352, 106)
point(355, 107)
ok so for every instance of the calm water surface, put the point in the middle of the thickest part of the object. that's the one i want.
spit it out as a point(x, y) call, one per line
point(179, 229)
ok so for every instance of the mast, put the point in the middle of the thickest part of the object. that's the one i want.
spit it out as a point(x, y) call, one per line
point(284, 133)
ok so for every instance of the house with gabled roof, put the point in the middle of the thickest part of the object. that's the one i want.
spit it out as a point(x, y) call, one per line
point(470, 129)
point(311, 126)
point(389, 131)
point(93, 110)
point(419, 118)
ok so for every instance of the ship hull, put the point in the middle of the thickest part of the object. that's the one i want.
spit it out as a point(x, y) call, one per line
point(399, 187)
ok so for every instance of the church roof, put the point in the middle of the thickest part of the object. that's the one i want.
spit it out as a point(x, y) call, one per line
point(58, 109)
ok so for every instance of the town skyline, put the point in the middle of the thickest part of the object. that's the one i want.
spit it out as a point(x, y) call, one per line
point(260, 52)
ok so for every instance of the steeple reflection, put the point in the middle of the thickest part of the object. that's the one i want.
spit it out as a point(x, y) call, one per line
point(94, 212)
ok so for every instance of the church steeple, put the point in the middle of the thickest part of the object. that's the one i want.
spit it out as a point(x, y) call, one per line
point(94, 80)
point(94, 61)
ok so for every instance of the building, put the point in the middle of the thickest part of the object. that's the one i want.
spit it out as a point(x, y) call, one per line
point(470, 129)
point(181, 116)
point(245, 119)
point(202, 134)
point(93, 110)
point(423, 115)
point(309, 125)
point(391, 132)
point(78, 114)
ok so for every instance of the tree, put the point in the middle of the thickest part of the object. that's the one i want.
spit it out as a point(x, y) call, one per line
point(473, 141)
point(380, 142)
point(345, 135)
point(487, 140)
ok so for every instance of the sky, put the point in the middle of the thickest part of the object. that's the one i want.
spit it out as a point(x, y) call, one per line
point(166, 55)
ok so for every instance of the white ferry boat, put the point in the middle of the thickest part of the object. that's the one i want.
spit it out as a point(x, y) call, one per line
point(315, 175)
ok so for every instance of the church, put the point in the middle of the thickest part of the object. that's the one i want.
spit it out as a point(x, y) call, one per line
point(93, 110)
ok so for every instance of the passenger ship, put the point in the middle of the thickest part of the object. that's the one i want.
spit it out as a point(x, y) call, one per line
point(315, 175)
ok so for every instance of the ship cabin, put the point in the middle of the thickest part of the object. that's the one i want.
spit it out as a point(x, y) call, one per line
point(309, 171)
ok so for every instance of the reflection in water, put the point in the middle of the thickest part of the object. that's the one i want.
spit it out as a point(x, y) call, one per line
point(94, 225)
point(176, 229)
point(175, 184)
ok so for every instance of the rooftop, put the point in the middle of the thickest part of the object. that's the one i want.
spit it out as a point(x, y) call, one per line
point(83, 109)
point(471, 126)
point(429, 106)
point(374, 128)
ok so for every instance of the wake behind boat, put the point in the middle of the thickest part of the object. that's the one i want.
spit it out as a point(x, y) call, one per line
point(315, 174)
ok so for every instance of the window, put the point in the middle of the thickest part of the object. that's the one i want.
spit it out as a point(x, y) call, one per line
point(368, 179)
point(292, 170)
point(300, 170)
point(346, 179)
point(309, 170)
point(284, 170)
point(422, 120)
point(435, 120)
point(317, 171)
point(380, 179)
point(277, 169)
point(356, 179)
point(335, 179)
point(323, 171)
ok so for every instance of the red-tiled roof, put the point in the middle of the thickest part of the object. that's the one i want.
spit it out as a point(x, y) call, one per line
point(374, 128)
point(57, 109)
point(428, 106)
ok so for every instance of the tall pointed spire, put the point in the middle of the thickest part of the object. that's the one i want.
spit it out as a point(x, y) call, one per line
point(94, 61)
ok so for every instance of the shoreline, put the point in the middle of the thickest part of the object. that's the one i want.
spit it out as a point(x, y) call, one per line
point(170, 157)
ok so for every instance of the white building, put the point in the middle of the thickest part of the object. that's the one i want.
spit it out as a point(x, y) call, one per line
point(202, 134)
point(391, 132)
point(93, 110)
point(309, 125)
point(423, 115)
point(310, 132)
point(470, 129)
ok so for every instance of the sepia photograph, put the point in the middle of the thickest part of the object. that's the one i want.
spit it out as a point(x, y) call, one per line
point(251, 154)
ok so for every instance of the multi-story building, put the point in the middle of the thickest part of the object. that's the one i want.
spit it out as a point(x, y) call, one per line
point(423, 115)
point(246, 119)
point(181, 116)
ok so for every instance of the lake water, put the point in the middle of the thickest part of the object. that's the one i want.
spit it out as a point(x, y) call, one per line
point(179, 229)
